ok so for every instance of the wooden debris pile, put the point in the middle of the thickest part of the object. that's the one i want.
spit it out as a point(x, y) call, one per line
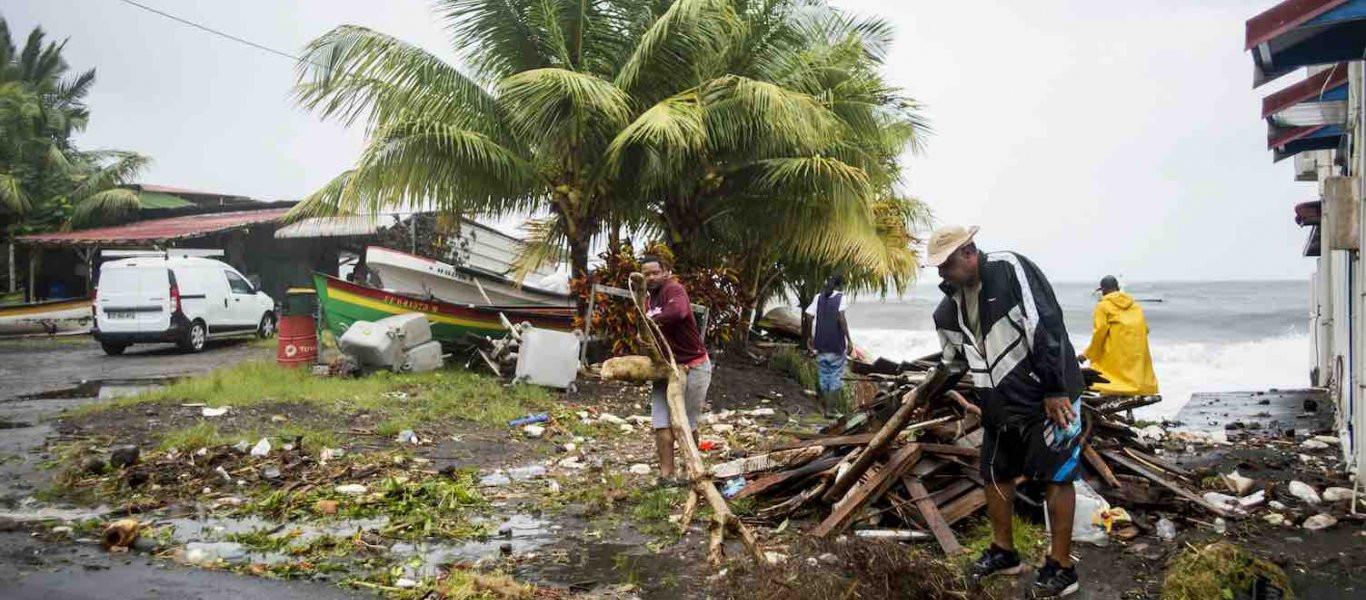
point(907, 465)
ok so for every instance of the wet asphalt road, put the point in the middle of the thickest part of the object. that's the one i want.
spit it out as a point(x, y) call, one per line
point(38, 378)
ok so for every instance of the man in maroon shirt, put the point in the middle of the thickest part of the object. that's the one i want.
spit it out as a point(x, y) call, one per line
point(668, 305)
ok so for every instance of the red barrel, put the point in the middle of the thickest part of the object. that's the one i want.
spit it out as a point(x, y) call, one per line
point(298, 341)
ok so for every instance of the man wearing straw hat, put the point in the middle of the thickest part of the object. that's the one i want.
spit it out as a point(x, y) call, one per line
point(1000, 320)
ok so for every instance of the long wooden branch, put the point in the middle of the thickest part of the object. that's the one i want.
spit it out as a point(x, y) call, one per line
point(722, 517)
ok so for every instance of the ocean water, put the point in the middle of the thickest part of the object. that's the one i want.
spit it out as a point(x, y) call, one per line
point(1205, 337)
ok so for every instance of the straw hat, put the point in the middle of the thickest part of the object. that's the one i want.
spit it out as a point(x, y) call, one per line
point(945, 240)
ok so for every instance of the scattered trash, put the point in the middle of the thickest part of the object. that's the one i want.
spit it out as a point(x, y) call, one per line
point(330, 454)
point(1336, 494)
point(1304, 491)
point(325, 507)
point(1319, 522)
point(1223, 501)
point(120, 534)
point(901, 535)
point(270, 473)
point(213, 412)
point(495, 479)
point(63, 530)
point(733, 487)
point(707, 446)
point(533, 431)
point(124, 456)
point(278, 419)
point(1327, 439)
point(527, 472)
point(722, 428)
point(223, 473)
point(1237, 483)
point(1274, 519)
point(1276, 505)
point(626, 428)
point(1220, 526)
point(611, 418)
point(405, 583)
point(1314, 445)
point(1086, 519)
point(572, 462)
point(1166, 529)
point(638, 420)
point(242, 446)
point(208, 553)
point(351, 488)
point(569, 447)
point(761, 412)
point(774, 558)
point(531, 419)
point(552, 487)
point(407, 436)
point(1252, 501)
point(1152, 434)
point(640, 469)
point(261, 448)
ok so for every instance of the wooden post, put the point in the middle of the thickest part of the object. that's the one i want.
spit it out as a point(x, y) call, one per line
point(722, 518)
point(13, 276)
point(34, 254)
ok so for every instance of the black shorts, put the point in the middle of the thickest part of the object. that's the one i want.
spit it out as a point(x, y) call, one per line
point(1038, 450)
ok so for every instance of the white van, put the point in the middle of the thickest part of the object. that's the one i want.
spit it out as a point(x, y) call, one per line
point(184, 300)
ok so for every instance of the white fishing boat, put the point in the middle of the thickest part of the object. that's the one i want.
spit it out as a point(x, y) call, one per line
point(69, 315)
point(414, 275)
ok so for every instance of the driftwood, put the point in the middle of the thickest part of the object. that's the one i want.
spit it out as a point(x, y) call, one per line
point(1143, 470)
point(702, 485)
point(930, 513)
point(858, 497)
point(931, 388)
point(765, 462)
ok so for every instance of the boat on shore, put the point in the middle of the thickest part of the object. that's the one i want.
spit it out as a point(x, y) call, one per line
point(420, 277)
point(343, 303)
point(68, 315)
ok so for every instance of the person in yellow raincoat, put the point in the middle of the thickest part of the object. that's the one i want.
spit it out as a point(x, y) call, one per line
point(1119, 344)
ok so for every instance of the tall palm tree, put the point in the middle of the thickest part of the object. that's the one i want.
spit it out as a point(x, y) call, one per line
point(529, 127)
point(44, 178)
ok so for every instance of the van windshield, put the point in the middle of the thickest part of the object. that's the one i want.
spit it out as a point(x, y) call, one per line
point(132, 280)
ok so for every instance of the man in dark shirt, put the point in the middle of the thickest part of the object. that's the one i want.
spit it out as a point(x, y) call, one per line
point(668, 305)
point(1000, 321)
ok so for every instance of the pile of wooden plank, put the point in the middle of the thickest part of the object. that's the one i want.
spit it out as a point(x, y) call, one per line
point(907, 465)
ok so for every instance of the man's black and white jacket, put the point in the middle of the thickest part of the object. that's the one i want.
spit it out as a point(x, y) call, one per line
point(1024, 355)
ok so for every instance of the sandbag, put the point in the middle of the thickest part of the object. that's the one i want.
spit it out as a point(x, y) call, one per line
point(633, 369)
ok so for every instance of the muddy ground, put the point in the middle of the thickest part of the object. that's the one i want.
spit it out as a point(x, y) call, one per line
point(595, 537)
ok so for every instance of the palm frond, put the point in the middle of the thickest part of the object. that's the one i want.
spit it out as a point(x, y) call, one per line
point(123, 167)
point(679, 48)
point(325, 202)
point(12, 196)
point(557, 110)
point(543, 242)
point(106, 207)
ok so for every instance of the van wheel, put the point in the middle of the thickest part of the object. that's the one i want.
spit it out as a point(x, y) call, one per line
point(195, 336)
point(266, 328)
point(113, 349)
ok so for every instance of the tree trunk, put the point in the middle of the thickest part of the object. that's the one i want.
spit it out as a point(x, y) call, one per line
point(683, 225)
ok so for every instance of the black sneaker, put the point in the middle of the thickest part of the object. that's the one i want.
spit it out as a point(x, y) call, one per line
point(996, 561)
point(1055, 581)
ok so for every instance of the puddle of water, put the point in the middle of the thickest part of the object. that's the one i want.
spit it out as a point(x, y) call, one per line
point(39, 515)
point(103, 389)
point(523, 532)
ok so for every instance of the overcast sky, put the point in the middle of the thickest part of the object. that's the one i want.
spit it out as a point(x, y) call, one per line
point(1094, 137)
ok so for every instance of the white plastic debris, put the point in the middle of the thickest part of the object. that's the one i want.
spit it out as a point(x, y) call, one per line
point(761, 412)
point(242, 446)
point(1276, 519)
point(261, 448)
point(351, 488)
point(611, 418)
point(723, 428)
point(1166, 529)
point(1252, 501)
point(1237, 483)
point(572, 462)
point(1318, 522)
point(626, 428)
point(570, 446)
point(552, 487)
point(213, 412)
point(1336, 494)
point(527, 472)
point(330, 454)
point(407, 436)
point(1276, 505)
point(637, 419)
point(1305, 492)
point(1314, 445)
point(1327, 439)
point(495, 479)
point(533, 431)
point(1152, 434)
point(1223, 501)
point(405, 583)
point(774, 558)
point(640, 469)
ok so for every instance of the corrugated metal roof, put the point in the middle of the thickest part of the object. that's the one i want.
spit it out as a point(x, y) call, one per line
point(166, 189)
point(161, 200)
point(320, 227)
point(157, 230)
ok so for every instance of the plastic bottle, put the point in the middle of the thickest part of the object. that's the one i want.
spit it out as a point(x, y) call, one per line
point(1166, 529)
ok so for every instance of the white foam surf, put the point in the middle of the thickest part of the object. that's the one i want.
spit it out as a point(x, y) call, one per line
point(1183, 368)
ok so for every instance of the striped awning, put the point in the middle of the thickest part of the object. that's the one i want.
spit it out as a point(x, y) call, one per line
point(1289, 141)
point(1321, 99)
point(1301, 33)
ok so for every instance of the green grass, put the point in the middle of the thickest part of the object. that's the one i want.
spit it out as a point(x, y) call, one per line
point(652, 509)
point(1031, 541)
point(796, 364)
point(202, 434)
point(407, 399)
point(1219, 570)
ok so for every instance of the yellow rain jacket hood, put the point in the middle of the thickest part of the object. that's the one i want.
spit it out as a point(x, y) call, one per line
point(1119, 347)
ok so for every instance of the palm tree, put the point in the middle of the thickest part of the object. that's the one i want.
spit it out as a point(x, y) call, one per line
point(765, 192)
point(529, 127)
point(44, 178)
